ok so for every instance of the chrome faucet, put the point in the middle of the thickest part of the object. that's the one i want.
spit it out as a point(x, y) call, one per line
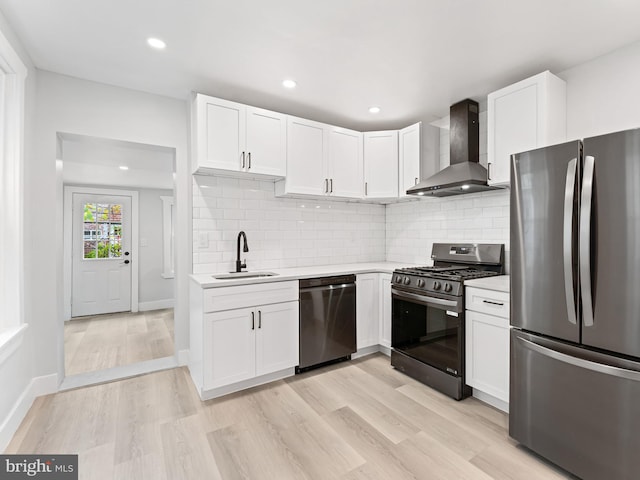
point(239, 264)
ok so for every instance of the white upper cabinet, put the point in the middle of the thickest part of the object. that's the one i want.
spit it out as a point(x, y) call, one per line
point(322, 160)
point(409, 157)
point(344, 167)
point(381, 164)
point(523, 116)
point(307, 150)
point(234, 138)
point(266, 146)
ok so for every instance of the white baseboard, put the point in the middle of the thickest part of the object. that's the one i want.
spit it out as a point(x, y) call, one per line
point(118, 373)
point(253, 382)
point(491, 400)
point(365, 351)
point(183, 357)
point(385, 350)
point(155, 305)
point(37, 386)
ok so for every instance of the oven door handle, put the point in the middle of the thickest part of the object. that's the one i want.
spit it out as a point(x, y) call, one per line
point(428, 301)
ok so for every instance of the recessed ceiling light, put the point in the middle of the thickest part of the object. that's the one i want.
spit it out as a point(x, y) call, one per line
point(465, 187)
point(124, 167)
point(420, 193)
point(374, 109)
point(289, 83)
point(156, 43)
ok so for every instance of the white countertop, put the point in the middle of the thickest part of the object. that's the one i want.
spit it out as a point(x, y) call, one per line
point(206, 280)
point(499, 283)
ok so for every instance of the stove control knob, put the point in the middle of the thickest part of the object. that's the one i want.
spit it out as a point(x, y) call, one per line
point(398, 279)
point(447, 287)
point(436, 285)
point(420, 283)
point(406, 280)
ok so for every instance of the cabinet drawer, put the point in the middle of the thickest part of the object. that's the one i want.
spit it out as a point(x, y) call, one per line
point(242, 296)
point(490, 302)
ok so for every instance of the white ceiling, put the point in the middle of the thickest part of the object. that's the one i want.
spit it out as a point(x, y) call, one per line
point(413, 58)
point(97, 161)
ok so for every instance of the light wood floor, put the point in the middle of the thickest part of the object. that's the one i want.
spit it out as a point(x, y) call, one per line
point(105, 341)
point(355, 420)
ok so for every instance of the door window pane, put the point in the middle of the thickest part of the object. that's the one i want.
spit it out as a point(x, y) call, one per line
point(102, 230)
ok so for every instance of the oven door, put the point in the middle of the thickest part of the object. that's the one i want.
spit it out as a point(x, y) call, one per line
point(429, 329)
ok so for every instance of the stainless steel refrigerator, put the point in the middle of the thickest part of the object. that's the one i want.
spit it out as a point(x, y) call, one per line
point(575, 304)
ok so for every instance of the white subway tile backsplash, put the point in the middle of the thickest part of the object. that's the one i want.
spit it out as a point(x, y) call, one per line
point(412, 228)
point(281, 232)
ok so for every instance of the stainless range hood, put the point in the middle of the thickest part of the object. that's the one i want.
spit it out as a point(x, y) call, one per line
point(464, 174)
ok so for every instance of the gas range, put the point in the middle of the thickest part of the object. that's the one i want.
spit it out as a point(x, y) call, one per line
point(427, 313)
point(452, 265)
point(448, 280)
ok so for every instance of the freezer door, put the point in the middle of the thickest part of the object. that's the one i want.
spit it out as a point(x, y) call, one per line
point(610, 244)
point(577, 408)
point(544, 259)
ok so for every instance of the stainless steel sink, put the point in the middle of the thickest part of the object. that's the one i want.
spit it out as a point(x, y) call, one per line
point(230, 276)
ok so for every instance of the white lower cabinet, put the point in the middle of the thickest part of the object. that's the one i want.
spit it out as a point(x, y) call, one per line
point(367, 310)
point(385, 310)
point(242, 335)
point(277, 337)
point(487, 345)
point(249, 342)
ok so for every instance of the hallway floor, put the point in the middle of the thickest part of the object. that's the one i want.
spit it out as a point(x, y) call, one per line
point(105, 341)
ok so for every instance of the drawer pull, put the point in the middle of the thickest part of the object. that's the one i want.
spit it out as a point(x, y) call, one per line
point(493, 303)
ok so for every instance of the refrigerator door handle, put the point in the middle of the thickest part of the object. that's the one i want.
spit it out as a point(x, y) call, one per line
point(567, 240)
point(580, 362)
point(585, 240)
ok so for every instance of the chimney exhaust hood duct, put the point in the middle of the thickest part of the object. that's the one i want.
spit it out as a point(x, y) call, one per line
point(464, 174)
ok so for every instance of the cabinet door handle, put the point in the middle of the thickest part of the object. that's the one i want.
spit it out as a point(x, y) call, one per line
point(331, 183)
point(249, 160)
point(488, 170)
point(326, 185)
point(493, 303)
point(416, 182)
point(253, 321)
point(242, 159)
point(365, 188)
point(259, 319)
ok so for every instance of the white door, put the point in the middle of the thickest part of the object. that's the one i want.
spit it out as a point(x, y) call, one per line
point(266, 142)
point(101, 254)
point(346, 172)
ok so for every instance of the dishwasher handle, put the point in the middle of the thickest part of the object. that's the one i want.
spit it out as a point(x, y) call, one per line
point(335, 281)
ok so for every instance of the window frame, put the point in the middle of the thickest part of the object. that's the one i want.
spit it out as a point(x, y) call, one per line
point(168, 236)
point(12, 111)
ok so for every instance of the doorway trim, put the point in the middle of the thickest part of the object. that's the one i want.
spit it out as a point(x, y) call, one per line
point(68, 237)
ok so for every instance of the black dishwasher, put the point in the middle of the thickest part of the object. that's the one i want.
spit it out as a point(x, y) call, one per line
point(327, 320)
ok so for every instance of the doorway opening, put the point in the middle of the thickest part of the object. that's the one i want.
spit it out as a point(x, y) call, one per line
point(118, 258)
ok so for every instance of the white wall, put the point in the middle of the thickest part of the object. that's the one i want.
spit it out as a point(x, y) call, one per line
point(281, 232)
point(75, 106)
point(152, 286)
point(17, 370)
point(603, 95)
